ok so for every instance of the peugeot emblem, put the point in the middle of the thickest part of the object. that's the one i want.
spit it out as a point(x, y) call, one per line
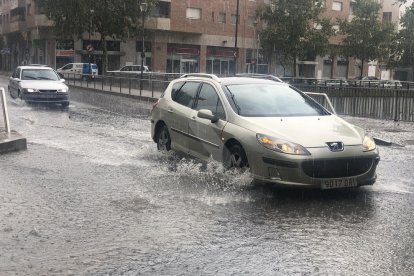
point(336, 146)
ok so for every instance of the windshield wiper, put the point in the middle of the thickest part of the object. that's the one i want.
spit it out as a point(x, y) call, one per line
point(44, 78)
point(29, 77)
point(235, 102)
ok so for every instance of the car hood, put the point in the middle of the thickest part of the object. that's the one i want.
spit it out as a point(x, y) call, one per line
point(307, 131)
point(43, 84)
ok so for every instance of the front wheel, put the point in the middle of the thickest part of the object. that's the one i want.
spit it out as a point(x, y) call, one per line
point(235, 157)
point(163, 139)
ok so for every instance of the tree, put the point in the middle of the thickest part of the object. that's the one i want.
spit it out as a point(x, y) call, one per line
point(294, 30)
point(403, 50)
point(116, 19)
point(366, 37)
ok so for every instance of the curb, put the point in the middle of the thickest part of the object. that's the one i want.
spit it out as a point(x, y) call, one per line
point(13, 141)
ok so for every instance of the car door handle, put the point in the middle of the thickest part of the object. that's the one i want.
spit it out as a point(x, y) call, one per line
point(193, 118)
point(170, 111)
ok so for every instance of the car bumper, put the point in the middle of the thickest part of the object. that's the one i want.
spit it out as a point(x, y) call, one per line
point(52, 97)
point(352, 167)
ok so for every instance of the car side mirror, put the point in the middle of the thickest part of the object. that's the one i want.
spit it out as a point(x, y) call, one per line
point(207, 114)
point(62, 80)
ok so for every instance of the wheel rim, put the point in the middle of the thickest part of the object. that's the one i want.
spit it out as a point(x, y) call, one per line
point(235, 160)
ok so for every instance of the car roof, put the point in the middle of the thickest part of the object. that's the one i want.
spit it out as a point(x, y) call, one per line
point(234, 80)
point(35, 67)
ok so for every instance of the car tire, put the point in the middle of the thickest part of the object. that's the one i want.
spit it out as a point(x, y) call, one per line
point(163, 139)
point(235, 157)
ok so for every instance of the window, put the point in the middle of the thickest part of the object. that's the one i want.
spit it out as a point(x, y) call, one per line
point(336, 6)
point(252, 21)
point(234, 19)
point(208, 99)
point(386, 17)
point(193, 13)
point(222, 17)
point(186, 94)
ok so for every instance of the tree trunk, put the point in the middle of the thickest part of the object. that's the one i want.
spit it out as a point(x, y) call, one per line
point(294, 67)
point(362, 68)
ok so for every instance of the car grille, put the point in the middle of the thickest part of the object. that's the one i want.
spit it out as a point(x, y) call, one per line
point(47, 91)
point(334, 168)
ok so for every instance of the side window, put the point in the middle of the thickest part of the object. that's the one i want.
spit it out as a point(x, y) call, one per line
point(16, 73)
point(187, 94)
point(208, 99)
point(175, 88)
point(67, 67)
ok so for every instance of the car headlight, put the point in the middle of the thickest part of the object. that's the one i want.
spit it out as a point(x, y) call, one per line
point(63, 90)
point(31, 90)
point(368, 144)
point(280, 145)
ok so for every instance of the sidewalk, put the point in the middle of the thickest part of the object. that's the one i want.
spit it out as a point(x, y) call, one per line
point(11, 141)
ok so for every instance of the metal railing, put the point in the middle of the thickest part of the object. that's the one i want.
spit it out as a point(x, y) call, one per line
point(5, 113)
point(362, 101)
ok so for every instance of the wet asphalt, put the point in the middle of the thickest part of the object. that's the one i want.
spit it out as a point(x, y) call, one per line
point(92, 196)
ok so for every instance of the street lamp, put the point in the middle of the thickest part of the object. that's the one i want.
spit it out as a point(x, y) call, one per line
point(143, 7)
point(89, 47)
point(235, 37)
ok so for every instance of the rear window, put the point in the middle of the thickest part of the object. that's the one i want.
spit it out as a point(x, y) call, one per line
point(271, 100)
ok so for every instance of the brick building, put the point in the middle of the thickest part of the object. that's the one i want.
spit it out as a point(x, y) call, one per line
point(181, 36)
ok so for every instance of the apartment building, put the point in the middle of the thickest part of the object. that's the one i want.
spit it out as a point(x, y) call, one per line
point(182, 36)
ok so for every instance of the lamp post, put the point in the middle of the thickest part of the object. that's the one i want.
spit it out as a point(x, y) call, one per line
point(89, 48)
point(235, 37)
point(143, 7)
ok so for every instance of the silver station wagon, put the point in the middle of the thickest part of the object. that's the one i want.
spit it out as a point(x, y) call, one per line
point(279, 133)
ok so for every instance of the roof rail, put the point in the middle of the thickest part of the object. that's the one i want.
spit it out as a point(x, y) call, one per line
point(201, 75)
point(260, 76)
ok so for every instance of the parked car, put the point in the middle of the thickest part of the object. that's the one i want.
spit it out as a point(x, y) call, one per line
point(392, 84)
point(369, 81)
point(79, 70)
point(130, 70)
point(337, 83)
point(279, 133)
point(38, 84)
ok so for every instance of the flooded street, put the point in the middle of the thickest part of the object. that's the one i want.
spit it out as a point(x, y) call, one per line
point(93, 196)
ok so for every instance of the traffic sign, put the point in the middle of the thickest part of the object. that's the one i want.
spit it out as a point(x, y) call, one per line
point(89, 48)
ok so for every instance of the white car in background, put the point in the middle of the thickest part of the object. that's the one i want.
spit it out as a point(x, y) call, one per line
point(128, 70)
point(39, 84)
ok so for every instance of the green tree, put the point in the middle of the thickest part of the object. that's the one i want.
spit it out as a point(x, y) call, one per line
point(116, 19)
point(366, 37)
point(295, 30)
point(403, 46)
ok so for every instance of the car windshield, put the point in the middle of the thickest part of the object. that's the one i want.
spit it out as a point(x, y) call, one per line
point(271, 100)
point(39, 74)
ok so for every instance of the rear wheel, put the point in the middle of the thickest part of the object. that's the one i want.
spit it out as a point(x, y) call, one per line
point(163, 139)
point(235, 157)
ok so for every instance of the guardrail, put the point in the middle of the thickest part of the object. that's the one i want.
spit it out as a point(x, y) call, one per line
point(4, 108)
point(373, 102)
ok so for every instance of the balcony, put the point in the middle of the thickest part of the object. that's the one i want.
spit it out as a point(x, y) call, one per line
point(38, 20)
point(158, 23)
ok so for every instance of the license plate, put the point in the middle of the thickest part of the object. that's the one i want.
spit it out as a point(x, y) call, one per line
point(335, 183)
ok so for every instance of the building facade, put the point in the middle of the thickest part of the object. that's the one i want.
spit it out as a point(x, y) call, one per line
point(182, 36)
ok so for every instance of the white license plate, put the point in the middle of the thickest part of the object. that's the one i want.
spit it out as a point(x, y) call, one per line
point(335, 183)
